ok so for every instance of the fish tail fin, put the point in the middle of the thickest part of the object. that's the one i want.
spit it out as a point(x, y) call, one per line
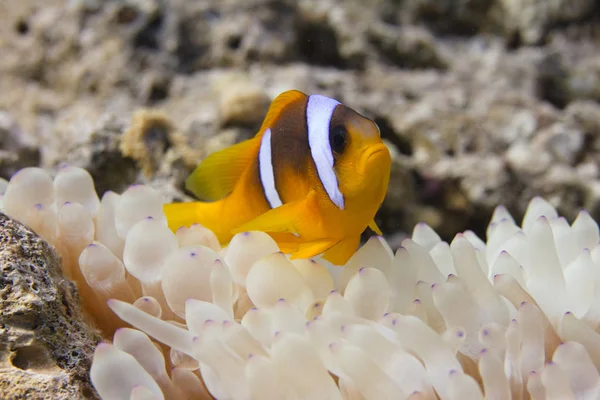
point(195, 212)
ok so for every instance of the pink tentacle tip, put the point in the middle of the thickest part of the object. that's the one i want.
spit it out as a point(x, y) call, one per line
point(209, 322)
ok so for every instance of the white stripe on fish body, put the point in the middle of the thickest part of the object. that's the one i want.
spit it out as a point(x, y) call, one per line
point(319, 111)
point(267, 176)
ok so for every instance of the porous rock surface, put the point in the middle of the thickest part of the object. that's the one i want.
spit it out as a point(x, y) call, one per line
point(481, 101)
point(45, 345)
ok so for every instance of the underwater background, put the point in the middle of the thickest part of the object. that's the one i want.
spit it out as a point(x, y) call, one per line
point(482, 102)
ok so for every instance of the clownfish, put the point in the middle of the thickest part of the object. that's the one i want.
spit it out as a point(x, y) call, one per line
point(313, 178)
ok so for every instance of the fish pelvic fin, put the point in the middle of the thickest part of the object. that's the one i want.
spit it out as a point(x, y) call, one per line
point(340, 253)
point(374, 227)
point(216, 175)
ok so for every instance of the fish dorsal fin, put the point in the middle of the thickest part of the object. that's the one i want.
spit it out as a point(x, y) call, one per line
point(278, 104)
point(218, 173)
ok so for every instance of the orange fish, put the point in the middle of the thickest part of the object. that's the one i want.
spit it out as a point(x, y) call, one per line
point(313, 178)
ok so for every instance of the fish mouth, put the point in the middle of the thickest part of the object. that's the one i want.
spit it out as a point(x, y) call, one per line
point(375, 150)
point(376, 154)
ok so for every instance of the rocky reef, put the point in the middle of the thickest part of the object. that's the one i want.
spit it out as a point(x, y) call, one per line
point(46, 344)
point(481, 102)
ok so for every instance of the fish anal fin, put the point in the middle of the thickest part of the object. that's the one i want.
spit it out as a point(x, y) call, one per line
point(188, 213)
point(216, 175)
point(374, 227)
point(340, 253)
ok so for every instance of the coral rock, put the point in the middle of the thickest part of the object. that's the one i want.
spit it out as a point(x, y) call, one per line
point(45, 345)
point(16, 149)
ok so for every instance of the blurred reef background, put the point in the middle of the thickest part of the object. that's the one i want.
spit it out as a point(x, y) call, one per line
point(482, 102)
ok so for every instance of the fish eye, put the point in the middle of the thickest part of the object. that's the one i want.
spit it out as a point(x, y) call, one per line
point(338, 137)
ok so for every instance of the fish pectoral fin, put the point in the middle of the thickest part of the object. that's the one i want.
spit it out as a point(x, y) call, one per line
point(374, 227)
point(289, 218)
point(343, 250)
point(312, 248)
point(216, 175)
point(280, 219)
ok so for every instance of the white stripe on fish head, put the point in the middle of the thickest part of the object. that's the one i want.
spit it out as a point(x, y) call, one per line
point(267, 176)
point(319, 111)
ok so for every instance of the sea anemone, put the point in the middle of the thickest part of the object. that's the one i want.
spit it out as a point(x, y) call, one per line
point(515, 316)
